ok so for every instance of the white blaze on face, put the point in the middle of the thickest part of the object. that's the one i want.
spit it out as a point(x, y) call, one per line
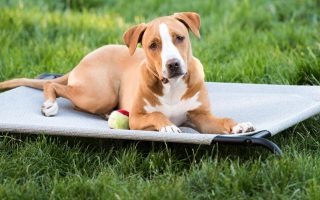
point(169, 51)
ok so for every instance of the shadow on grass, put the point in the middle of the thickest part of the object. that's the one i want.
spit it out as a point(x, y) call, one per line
point(189, 153)
point(26, 157)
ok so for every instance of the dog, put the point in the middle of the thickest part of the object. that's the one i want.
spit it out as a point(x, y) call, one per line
point(161, 84)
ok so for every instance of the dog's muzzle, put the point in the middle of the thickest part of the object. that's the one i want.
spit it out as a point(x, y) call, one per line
point(174, 68)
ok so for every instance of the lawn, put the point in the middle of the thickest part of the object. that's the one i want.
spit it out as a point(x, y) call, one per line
point(250, 41)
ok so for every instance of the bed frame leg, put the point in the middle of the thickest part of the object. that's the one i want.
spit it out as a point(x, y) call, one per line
point(248, 141)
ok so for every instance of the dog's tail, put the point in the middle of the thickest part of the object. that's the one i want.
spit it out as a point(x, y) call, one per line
point(34, 83)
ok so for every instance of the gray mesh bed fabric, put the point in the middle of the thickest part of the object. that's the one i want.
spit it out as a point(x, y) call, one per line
point(272, 108)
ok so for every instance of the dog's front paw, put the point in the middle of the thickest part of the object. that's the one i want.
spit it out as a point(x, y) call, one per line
point(243, 128)
point(170, 129)
point(49, 108)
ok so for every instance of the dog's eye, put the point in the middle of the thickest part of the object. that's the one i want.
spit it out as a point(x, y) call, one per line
point(179, 38)
point(153, 46)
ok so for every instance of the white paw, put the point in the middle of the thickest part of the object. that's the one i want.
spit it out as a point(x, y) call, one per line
point(49, 108)
point(243, 128)
point(170, 129)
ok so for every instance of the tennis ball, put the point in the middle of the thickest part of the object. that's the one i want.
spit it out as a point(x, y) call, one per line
point(119, 119)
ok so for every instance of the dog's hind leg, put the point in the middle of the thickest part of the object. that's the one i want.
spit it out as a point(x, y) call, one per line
point(51, 91)
point(82, 98)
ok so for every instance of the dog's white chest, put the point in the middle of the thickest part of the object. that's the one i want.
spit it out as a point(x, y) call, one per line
point(171, 104)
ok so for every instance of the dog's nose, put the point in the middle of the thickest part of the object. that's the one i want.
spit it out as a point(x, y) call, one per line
point(173, 65)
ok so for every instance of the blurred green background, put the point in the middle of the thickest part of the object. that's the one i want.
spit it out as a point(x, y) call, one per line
point(242, 41)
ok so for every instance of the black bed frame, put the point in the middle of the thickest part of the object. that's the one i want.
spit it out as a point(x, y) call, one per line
point(258, 139)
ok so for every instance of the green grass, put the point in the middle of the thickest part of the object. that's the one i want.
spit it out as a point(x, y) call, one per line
point(276, 42)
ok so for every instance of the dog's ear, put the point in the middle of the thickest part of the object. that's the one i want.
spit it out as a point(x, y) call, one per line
point(134, 36)
point(191, 20)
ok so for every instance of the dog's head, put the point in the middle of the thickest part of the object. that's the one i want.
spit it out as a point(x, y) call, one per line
point(166, 43)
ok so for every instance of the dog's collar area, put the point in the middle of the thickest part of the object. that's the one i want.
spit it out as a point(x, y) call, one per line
point(164, 80)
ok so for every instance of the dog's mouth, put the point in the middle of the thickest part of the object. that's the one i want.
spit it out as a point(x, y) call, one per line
point(173, 76)
point(176, 75)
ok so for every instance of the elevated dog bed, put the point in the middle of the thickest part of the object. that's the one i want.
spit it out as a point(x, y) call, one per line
point(271, 108)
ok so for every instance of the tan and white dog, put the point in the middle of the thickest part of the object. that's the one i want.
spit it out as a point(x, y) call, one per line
point(161, 84)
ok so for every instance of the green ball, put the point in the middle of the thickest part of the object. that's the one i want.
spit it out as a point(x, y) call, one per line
point(118, 120)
